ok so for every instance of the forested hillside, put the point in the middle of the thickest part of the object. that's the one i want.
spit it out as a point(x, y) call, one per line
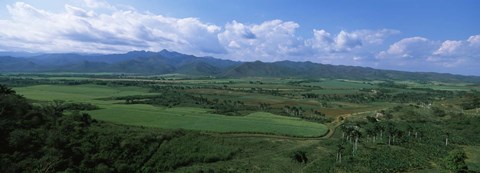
point(167, 62)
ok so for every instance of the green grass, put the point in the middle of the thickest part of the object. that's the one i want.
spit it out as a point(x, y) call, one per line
point(180, 117)
point(200, 119)
point(473, 157)
point(77, 93)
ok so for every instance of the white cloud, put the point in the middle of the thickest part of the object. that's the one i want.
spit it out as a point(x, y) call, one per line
point(97, 4)
point(413, 47)
point(474, 40)
point(99, 27)
point(268, 41)
point(428, 55)
point(277, 40)
point(81, 30)
point(457, 52)
point(448, 47)
point(347, 41)
point(91, 29)
point(375, 36)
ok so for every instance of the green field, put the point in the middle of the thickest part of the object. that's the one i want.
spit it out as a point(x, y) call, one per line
point(179, 117)
point(184, 123)
point(200, 119)
point(79, 93)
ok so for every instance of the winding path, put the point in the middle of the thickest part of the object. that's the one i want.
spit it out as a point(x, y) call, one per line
point(332, 127)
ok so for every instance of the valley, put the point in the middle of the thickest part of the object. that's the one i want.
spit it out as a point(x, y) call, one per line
point(303, 122)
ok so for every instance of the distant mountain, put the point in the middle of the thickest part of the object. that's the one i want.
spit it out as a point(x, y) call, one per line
point(315, 70)
point(166, 62)
point(261, 69)
point(12, 64)
point(19, 54)
point(199, 68)
point(148, 65)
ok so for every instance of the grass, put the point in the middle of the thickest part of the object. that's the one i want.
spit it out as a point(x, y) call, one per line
point(180, 117)
point(473, 157)
point(200, 119)
point(259, 153)
point(77, 93)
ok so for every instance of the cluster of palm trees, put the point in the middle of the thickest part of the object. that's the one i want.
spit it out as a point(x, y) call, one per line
point(351, 133)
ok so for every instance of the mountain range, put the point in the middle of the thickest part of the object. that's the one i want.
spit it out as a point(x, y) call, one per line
point(168, 62)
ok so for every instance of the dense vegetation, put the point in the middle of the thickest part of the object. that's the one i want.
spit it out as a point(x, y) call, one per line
point(391, 126)
point(44, 139)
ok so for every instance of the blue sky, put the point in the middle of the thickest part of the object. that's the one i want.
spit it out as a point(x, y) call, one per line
point(411, 35)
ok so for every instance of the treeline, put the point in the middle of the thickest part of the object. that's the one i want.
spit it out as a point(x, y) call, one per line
point(310, 115)
point(27, 81)
point(171, 98)
point(392, 84)
point(471, 100)
point(44, 139)
point(403, 97)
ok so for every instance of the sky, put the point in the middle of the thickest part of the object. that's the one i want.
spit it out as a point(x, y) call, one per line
point(410, 35)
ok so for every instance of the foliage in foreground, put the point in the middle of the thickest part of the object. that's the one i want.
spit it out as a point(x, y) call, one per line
point(43, 139)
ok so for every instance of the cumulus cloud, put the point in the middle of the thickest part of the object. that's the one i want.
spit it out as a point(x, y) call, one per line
point(97, 26)
point(452, 53)
point(84, 30)
point(115, 30)
point(448, 47)
point(277, 40)
point(347, 47)
point(270, 40)
point(347, 41)
point(412, 47)
point(424, 54)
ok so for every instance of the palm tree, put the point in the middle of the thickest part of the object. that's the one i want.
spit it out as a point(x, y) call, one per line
point(398, 133)
point(379, 128)
point(346, 129)
point(355, 135)
point(446, 138)
point(409, 129)
point(371, 132)
point(391, 130)
point(340, 149)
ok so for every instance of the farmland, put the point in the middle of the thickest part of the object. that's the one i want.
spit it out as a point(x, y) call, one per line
point(181, 117)
point(256, 124)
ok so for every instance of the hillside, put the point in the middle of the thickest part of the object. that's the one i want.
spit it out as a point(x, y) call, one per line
point(166, 62)
point(315, 70)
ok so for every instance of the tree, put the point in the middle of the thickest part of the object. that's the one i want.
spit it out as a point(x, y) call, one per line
point(340, 149)
point(4, 90)
point(371, 132)
point(409, 129)
point(54, 108)
point(379, 128)
point(300, 156)
point(438, 112)
point(447, 134)
point(355, 133)
point(371, 119)
point(455, 161)
point(346, 131)
point(391, 130)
